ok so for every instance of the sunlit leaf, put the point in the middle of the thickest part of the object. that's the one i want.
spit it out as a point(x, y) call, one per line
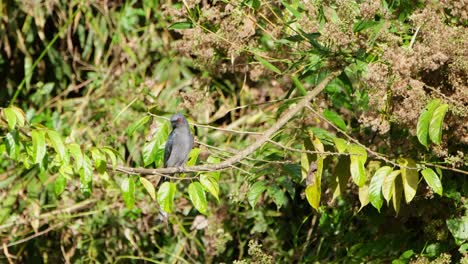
point(20, 116)
point(111, 154)
point(432, 180)
point(358, 159)
point(60, 184)
point(375, 186)
point(137, 124)
point(193, 156)
point(458, 227)
point(86, 176)
point(291, 9)
point(75, 151)
point(388, 185)
point(213, 160)
point(364, 195)
point(198, 197)
point(57, 143)
point(166, 195)
point(10, 117)
point(340, 176)
point(335, 119)
point(437, 122)
point(153, 151)
point(128, 192)
point(422, 129)
point(99, 158)
point(210, 184)
point(254, 192)
point(39, 145)
point(409, 177)
point(149, 187)
point(340, 144)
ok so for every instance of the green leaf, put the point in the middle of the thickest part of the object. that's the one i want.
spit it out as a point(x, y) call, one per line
point(335, 119)
point(57, 143)
point(437, 122)
point(75, 151)
point(388, 185)
point(254, 192)
point(422, 129)
point(99, 158)
point(60, 184)
point(214, 160)
point(86, 176)
point(340, 144)
point(20, 116)
point(149, 187)
point(39, 145)
point(112, 154)
point(166, 195)
point(358, 158)
point(181, 25)
point(153, 151)
point(10, 117)
point(410, 178)
point(375, 186)
point(198, 197)
point(193, 156)
point(210, 184)
point(279, 197)
point(432, 180)
point(299, 85)
point(267, 64)
point(11, 145)
point(128, 192)
point(137, 124)
point(459, 227)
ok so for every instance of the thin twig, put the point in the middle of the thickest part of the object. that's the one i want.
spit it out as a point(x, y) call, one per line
point(26, 239)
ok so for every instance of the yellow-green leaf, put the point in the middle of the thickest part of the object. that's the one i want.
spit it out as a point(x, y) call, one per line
point(166, 195)
point(149, 187)
point(437, 123)
point(198, 197)
point(20, 116)
point(388, 185)
point(75, 151)
point(39, 145)
point(10, 117)
point(128, 192)
point(340, 144)
point(432, 180)
point(422, 129)
point(397, 194)
point(56, 141)
point(364, 195)
point(375, 186)
point(409, 177)
point(210, 184)
point(358, 158)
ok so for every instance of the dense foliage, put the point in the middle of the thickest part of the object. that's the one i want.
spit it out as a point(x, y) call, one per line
point(371, 170)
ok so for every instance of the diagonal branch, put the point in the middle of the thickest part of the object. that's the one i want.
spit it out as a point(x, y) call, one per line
point(266, 136)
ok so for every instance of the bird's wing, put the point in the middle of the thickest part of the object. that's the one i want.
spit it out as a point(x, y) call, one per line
point(168, 147)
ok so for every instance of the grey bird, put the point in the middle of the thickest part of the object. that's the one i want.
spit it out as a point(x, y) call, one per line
point(179, 144)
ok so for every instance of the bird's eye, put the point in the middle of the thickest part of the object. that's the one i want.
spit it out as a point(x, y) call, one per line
point(179, 120)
